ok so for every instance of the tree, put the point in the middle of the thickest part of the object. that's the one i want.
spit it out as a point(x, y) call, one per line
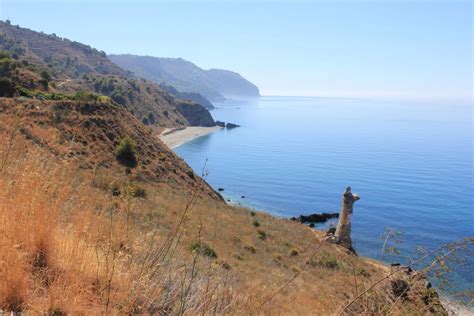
point(45, 76)
point(125, 152)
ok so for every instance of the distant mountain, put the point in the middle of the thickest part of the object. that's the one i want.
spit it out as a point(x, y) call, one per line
point(214, 84)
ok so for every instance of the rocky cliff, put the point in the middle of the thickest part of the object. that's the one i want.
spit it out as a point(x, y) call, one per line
point(195, 114)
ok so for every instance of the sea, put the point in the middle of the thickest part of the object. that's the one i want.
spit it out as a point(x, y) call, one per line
point(411, 162)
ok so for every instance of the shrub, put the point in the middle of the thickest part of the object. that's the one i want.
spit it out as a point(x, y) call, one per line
point(57, 117)
point(7, 88)
point(45, 75)
point(294, 252)
point(250, 248)
point(125, 152)
point(136, 191)
point(362, 272)
point(203, 249)
point(115, 189)
point(118, 98)
point(224, 264)
point(252, 213)
point(328, 261)
point(237, 256)
point(255, 223)
point(151, 118)
point(331, 230)
point(261, 234)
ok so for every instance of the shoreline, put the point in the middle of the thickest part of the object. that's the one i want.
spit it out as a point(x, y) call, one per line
point(177, 137)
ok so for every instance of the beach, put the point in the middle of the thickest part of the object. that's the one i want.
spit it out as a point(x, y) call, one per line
point(176, 137)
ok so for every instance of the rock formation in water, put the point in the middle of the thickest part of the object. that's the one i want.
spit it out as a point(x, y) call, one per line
point(343, 230)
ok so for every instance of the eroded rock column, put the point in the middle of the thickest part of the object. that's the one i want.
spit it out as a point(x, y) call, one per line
point(343, 230)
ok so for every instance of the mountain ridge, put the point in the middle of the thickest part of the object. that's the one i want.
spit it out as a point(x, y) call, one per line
point(214, 84)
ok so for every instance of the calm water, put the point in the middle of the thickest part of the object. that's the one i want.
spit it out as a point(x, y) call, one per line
point(411, 163)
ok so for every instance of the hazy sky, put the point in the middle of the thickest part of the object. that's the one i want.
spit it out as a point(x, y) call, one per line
point(340, 48)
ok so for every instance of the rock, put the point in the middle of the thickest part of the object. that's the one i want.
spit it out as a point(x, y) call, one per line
point(399, 288)
point(330, 239)
point(343, 229)
point(231, 125)
point(331, 231)
point(311, 225)
point(242, 197)
point(220, 124)
point(195, 114)
point(315, 218)
point(220, 189)
point(409, 283)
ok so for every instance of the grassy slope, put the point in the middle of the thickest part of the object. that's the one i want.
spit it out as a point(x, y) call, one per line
point(68, 243)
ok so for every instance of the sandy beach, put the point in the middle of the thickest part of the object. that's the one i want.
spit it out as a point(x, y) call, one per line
point(175, 138)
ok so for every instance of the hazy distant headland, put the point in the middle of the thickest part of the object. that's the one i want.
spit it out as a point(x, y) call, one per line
point(213, 84)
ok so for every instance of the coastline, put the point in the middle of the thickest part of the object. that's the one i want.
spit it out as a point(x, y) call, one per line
point(177, 137)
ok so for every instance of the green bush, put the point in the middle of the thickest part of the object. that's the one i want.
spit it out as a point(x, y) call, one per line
point(136, 191)
point(250, 248)
point(125, 152)
point(255, 223)
point(261, 234)
point(203, 249)
point(328, 261)
point(7, 88)
point(294, 252)
point(45, 75)
point(252, 213)
point(118, 98)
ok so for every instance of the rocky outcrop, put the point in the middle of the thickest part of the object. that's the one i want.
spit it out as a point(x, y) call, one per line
point(220, 124)
point(195, 114)
point(231, 125)
point(343, 230)
point(406, 284)
point(315, 218)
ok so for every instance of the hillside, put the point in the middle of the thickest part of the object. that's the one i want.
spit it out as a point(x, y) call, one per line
point(214, 84)
point(70, 67)
point(86, 233)
point(191, 96)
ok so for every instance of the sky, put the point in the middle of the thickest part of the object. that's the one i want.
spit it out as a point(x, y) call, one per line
point(378, 48)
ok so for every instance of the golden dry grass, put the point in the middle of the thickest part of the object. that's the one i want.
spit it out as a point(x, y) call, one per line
point(79, 241)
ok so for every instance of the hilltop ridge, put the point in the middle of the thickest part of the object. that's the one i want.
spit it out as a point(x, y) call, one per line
point(214, 84)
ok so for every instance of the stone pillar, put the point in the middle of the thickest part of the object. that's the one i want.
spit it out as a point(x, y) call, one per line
point(343, 230)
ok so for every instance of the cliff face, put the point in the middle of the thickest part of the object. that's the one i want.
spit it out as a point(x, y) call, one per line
point(231, 84)
point(195, 114)
point(214, 84)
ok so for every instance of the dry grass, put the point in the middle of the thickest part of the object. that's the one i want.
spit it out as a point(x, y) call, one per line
point(76, 241)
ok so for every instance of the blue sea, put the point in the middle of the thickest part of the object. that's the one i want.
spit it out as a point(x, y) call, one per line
point(411, 163)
